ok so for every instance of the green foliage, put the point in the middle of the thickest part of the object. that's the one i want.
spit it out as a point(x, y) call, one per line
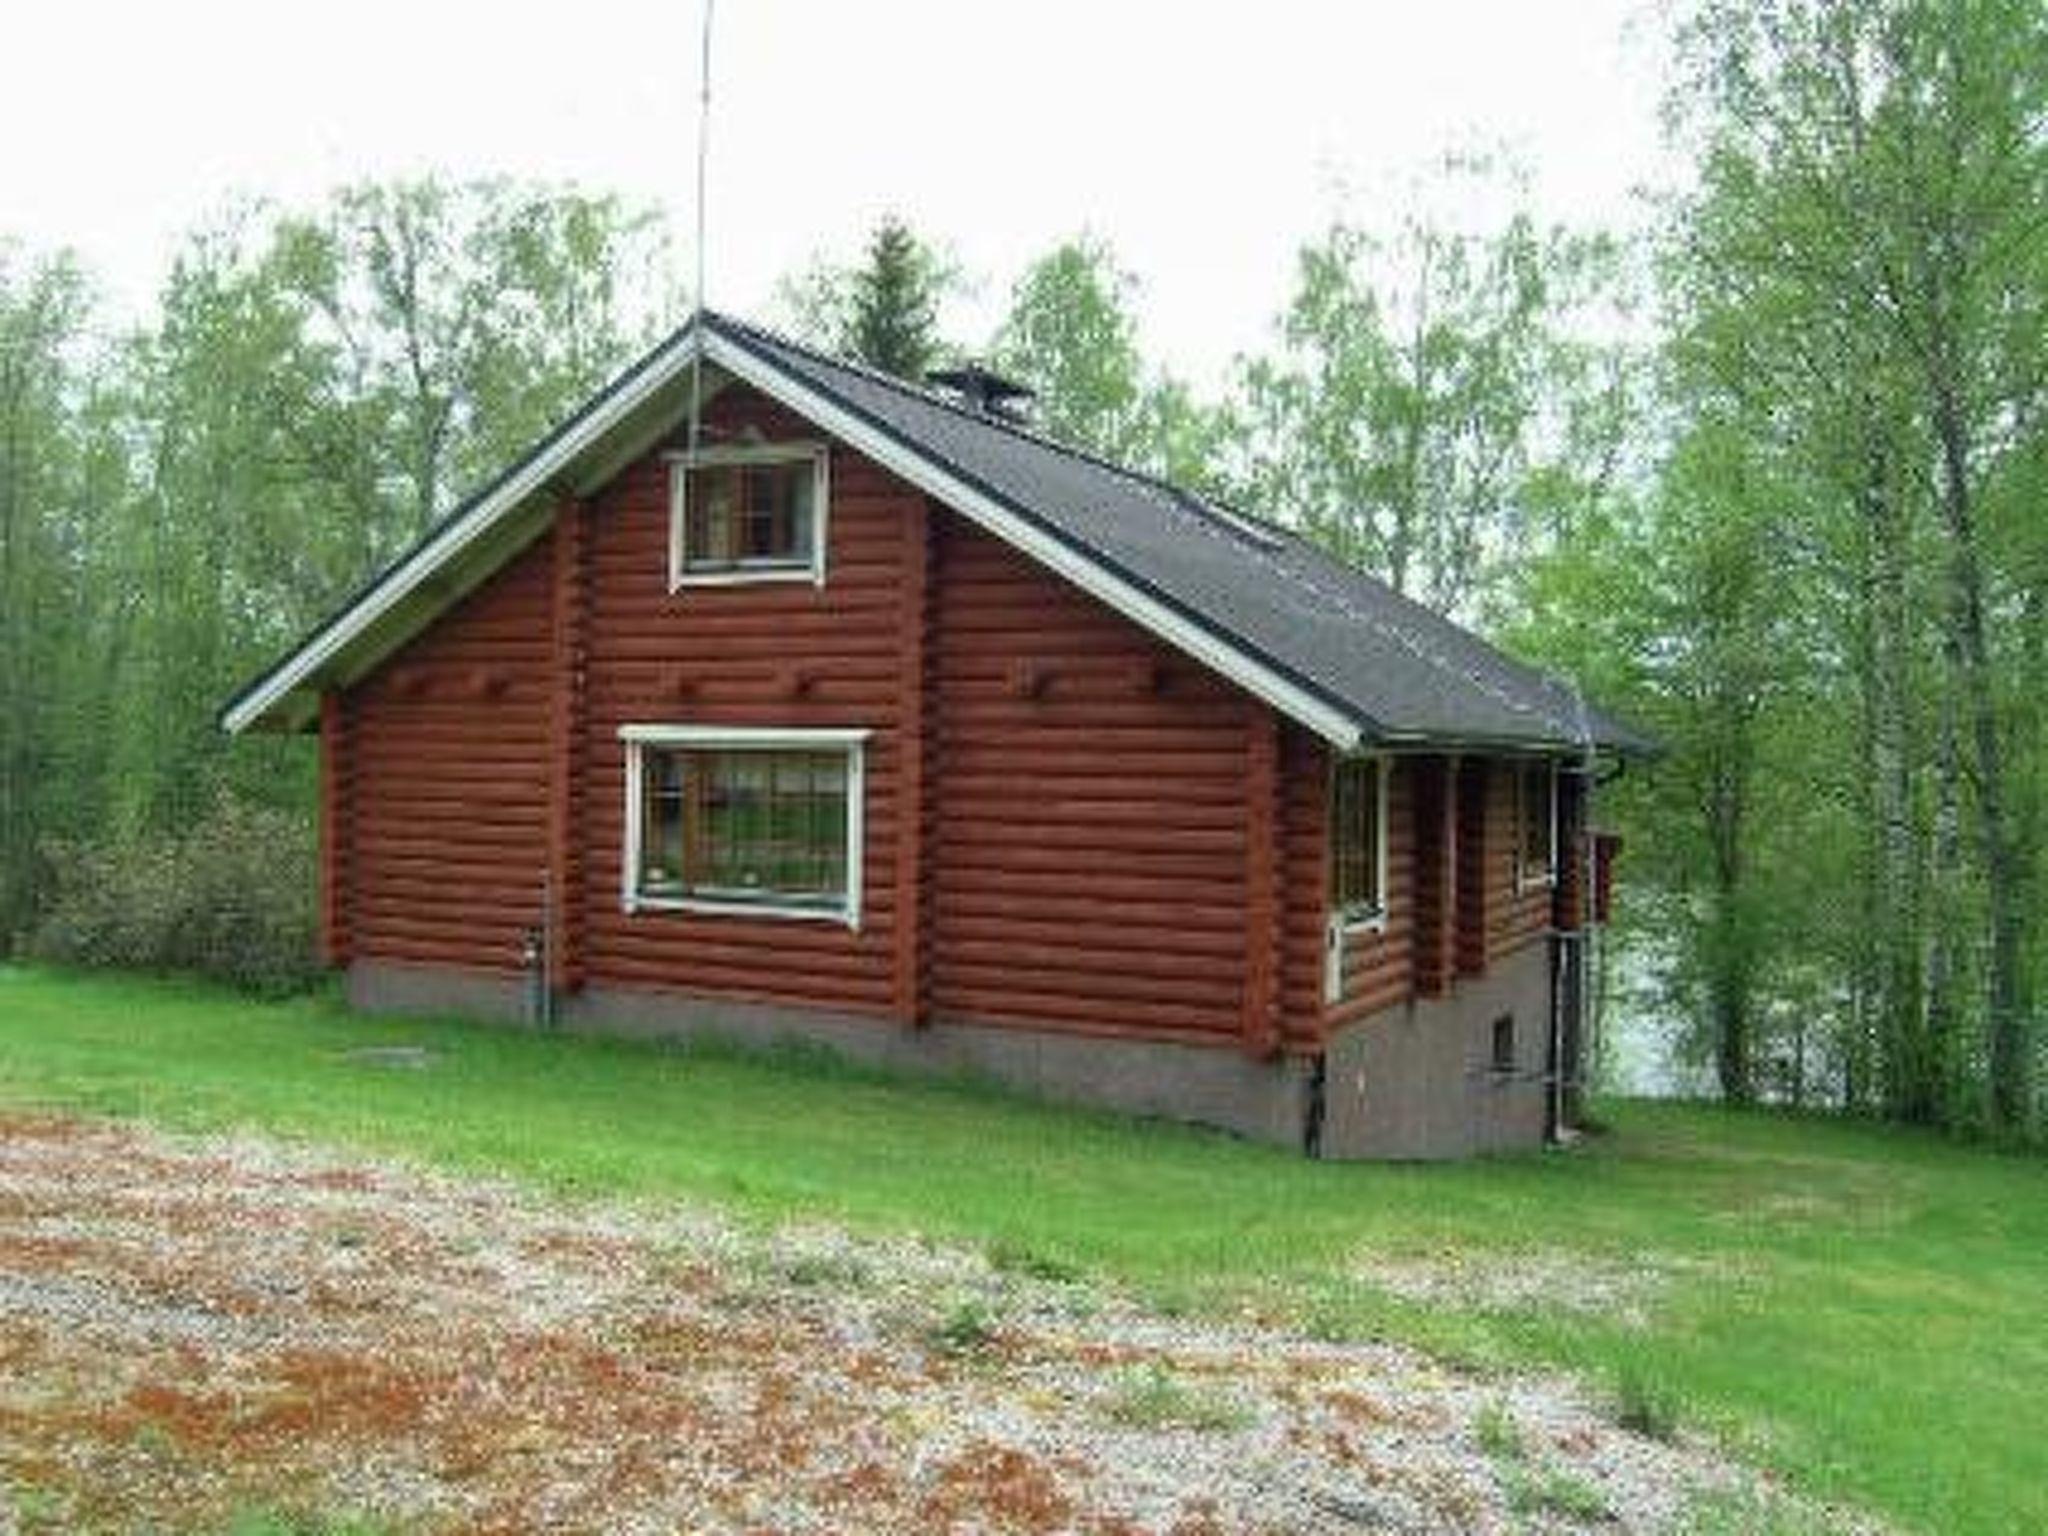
point(1828, 602)
point(1646, 1403)
point(1429, 408)
point(1819, 1283)
point(968, 1330)
point(50, 452)
point(263, 1522)
point(1156, 1398)
point(1071, 336)
point(230, 898)
point(1555, 1491)
point(893, 324)
point(180, 503)
point(1012, 1258)
point(883, 310)
point(1498, 1434)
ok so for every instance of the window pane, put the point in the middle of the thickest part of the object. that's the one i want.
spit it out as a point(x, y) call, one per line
point(746, 825)
point(1535, 818)
point(1354, 837)
point(742, 515)
point(661, 835)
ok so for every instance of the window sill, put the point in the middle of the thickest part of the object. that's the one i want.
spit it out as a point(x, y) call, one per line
point(1524, 884)
point(747, 575)
point(710, 906)
point(1363, 922)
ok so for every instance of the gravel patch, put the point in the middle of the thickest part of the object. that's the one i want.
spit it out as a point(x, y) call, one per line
point(1535, 1280)
point(195, 1328)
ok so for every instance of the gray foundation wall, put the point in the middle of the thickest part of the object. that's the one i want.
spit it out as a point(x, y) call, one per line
point(1415, 1081)
point(1205, 1085)
point(1418, 1081)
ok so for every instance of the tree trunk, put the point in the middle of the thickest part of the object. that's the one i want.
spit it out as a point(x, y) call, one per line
point(1969, 649)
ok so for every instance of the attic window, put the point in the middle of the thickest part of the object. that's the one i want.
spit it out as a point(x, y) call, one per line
point(748, 514)
point(1535, 825)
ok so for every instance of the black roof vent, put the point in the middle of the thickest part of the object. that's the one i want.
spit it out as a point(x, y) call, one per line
point(983, 391)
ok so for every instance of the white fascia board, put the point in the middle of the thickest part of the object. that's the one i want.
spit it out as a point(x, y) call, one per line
point(658, 372)
point(1263, 682)
point(1333, 725)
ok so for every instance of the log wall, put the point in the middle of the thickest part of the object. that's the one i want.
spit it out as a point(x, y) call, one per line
point(1099, 863)
point(778, 653)
point(1067, 825)
point(447, 759)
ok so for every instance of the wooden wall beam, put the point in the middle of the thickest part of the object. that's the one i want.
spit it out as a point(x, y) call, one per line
point(915, 719)
point(1262, 926)
point(567, 714)
point(1477, 842)
point(1436, 874)
point(336, 841)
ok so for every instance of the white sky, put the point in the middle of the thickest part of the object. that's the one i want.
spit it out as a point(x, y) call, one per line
point(1204, 142)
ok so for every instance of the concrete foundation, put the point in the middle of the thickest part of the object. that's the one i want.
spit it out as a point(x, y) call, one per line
point(1417, 1081)
point(1221, 1088)
point(1421, 1080)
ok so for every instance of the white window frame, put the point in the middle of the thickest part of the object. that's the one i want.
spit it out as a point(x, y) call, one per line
point(819, 456)
point(1340, 924)
point(637, 738)
point(1526, 879)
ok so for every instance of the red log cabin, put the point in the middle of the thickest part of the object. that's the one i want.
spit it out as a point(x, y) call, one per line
point(772, 697)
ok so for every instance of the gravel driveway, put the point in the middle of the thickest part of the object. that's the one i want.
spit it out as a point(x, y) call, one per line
point(192, 1330)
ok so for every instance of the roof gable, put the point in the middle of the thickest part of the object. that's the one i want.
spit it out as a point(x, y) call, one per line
point(1327, 646)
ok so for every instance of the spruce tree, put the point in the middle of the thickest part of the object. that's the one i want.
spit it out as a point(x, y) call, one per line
point(891, 322)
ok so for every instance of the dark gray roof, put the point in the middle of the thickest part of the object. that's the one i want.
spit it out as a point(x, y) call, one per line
point(1401, 671)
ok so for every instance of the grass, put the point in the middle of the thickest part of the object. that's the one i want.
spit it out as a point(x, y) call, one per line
point(1498, 1433)
point(1554, 1491)
point(1155, 1398)
point(966, 1331)
point(1648, 1405)
point(1861, 1309)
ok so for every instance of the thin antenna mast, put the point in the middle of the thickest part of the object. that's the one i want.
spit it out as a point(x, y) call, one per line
point(703, 162)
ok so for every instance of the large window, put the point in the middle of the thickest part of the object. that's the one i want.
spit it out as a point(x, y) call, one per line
point(1358, 841)
point(748, 514)
point(743, 820)
point(1536, 825)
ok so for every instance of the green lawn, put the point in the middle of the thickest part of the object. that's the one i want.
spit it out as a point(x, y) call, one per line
point(1868, 1311)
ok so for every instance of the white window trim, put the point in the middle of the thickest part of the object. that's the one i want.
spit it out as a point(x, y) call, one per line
point(1525, 879)
point(637, 737)
point(1340, 925)
point(679, 464)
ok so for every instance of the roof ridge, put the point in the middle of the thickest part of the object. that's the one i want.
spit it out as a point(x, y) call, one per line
point(1210, 519)
point(1215, 513)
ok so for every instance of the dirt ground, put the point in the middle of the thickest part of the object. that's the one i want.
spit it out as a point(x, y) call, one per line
point(199, 1331)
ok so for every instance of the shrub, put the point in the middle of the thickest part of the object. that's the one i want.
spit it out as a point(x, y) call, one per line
point(1556, 1492)
point(1157, 1399)
point(230, 898)
point(1647, 1406)
point(1011, 1258)
point(968, 1330)
point(1498, 1434)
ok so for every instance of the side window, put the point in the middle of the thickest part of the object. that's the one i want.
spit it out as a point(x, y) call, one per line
point(1536, 825)
point(1358, 840)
